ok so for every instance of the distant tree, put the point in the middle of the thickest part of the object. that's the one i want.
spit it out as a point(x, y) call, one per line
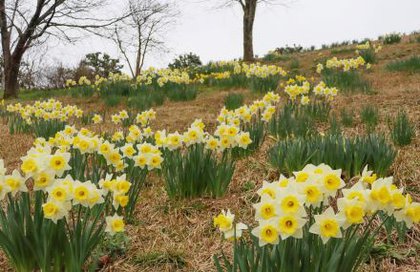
point(28, 23)
point(56, 75)
point(102, 64)
point(143, 31)
point(83, 70)
point(249, 8)
point(185, 61)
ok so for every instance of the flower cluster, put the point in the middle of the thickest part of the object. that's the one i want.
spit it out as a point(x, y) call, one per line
point(258, 70)
point(45, 110)
point(83, 80)
point(301, 87)
point(46, 170)
point(163, 77)
point(143, 155)
point(225, 137)
point(295, 90)
point(344, 64)
point(317, 194)
point(321, 89)
point(118, 118)
point(263, 109)
point(367, 46)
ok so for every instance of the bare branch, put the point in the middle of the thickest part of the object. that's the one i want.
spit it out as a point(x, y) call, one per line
point(143, 31)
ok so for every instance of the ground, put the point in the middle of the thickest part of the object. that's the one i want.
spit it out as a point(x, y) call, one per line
point(179, 236)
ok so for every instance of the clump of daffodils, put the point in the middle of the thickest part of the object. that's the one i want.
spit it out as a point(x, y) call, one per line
point(260, 109)
point(70, 83)
point(367, 46)
point(225, 137)
point(143, 119)
point(300, 90)
point(259, 70)
point(119, 117)
point(342, 64)
point(43, 170)
point(70, 190)
point(322, 90)
point(50, 109)
point(117, 155)
point(83, 80)
point(317, 200)
point(296, 89)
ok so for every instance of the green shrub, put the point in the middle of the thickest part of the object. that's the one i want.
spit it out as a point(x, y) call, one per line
point(347, 82)
point(349, 154)
point(140, 102)
point(347, 118)
point(233, 81)
point(338, 51)
point(40, 127)
point(120, 88)
point(368, 55)
point(263, 85)
point(112, 100)
point(370, 117)
point(294, 64)
point(147, 99)
point(234, 101)
point(81, 91)
point(47, 128)
point(335, 126)
point(411, 65)
point(182, 94)
point(289, 123)
point(40, 94)
point(17, 124)
point(392, 38)
point(196, 172)
point(316, 110)
point(274, 57)
point(402, 131)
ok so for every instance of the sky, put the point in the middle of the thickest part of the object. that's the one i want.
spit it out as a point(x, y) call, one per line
point(216, 34)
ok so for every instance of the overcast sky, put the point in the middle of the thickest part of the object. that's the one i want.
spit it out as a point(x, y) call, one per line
point(216, 34)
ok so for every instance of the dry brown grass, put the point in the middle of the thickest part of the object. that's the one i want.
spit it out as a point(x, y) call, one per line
point(179, 236)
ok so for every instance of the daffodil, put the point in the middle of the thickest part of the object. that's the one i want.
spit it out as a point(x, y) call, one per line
point(267, 208)
point(352, 210)
point(59, 163)
point(224, 221)
point(267, 232)
point(328, 225)
point(114, 224)
point(14, 183)
point(290, 225)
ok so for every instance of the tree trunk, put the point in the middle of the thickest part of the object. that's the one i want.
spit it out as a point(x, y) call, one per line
point(11, 74)
point(11, 84)
point(139, 44)
point(138, 61)
point(248, 26)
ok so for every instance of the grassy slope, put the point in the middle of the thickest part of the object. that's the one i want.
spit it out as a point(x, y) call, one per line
point(178, 235)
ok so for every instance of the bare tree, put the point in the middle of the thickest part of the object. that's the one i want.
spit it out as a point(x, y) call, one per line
point(143, 30)
point(27, 23)
point(249, 8)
